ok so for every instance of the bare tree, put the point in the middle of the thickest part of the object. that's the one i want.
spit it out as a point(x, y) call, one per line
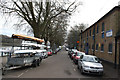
point(74, 35)
point(38, 15)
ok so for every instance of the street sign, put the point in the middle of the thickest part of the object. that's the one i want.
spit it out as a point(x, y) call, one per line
point(109, 33)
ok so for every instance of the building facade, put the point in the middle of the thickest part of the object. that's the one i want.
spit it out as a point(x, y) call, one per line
point(102, 38)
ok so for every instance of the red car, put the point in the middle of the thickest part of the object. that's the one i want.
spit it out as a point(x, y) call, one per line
point(77, 56)
point(49, 52)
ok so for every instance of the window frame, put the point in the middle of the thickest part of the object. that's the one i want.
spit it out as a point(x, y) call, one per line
point(96, 47)
point(110, 45)
point(102, 47)
point(97, 29)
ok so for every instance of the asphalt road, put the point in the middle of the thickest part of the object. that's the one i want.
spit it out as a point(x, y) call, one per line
point(56, 66)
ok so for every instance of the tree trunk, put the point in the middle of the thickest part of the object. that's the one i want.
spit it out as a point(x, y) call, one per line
point(36, 32)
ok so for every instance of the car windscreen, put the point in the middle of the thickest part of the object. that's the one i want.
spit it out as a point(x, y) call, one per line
point(49, 50)
point(90, 59)
point(79, 53)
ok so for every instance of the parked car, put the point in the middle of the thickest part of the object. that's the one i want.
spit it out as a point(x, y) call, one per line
point(57, 50)
point(72, 53)
point(66, 49)
point(42, 53)
point(90, 64)
point(49, 52)
point(69, 51)
point(77, 56)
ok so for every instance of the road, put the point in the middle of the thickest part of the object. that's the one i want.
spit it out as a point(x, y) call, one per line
point(56, 66)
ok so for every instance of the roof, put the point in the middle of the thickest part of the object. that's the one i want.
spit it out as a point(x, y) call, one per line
point(33, 44)
point(28, 38)
point(28, 51)
point(90, 55)
point(24, 51)
point(115, 8)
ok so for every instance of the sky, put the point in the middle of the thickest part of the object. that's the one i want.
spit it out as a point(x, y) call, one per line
point(88, 13)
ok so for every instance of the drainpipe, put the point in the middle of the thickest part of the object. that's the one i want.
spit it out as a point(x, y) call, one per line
point(94, 41)
point(119, 55)
point(81, 40)
point(115, 62)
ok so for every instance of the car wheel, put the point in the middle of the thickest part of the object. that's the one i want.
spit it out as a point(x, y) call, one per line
point(101, 74)
point(38, 62)
point(34, 64)
point(78, 67)
point(4, 71)
point(81, 70)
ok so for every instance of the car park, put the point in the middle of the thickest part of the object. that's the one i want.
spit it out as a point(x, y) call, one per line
point(90, 64)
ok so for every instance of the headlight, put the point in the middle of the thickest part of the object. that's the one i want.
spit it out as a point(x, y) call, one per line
point(86, 66)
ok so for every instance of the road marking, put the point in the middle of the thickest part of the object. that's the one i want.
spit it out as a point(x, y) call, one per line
point(74, 69)
point(26, 71)
point(20, 74)
point(73, 66)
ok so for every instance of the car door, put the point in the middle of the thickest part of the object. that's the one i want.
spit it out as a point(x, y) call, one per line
point(80, 61)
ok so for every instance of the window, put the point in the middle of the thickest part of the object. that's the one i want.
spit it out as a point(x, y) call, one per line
point(96, 46)
point(94, 31)
point(102, 34)
point(87, 36)
point(81, 45)
point(102, 47)
point(97, 28)
point(103, 26)
point(81, 37)
point(93, 37)
point(93, 47)
point(110, 47)
point(90, 32)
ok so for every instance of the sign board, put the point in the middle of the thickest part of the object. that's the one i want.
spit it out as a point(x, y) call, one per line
point(99, 45)
point(109, 33)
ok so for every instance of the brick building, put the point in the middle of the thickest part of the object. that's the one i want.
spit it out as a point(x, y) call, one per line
point(102, 38)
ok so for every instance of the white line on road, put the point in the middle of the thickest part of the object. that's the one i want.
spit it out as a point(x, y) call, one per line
point(26, 71)
point(74, 69)
point(20, 74)
point(73, 66)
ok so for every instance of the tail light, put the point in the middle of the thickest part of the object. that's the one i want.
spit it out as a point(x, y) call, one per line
point(77, 57)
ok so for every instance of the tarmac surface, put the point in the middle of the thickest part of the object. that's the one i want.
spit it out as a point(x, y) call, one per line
point(58, 66)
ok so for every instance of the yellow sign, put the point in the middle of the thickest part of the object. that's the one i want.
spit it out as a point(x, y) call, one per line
point(99, 45)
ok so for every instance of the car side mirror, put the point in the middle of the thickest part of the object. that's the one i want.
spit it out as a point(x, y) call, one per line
point(80, 59)
point(100, 61)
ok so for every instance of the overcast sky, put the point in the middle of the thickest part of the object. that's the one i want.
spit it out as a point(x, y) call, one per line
point(88, 13)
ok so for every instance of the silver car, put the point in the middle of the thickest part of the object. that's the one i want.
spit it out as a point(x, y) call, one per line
point(90, 64)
